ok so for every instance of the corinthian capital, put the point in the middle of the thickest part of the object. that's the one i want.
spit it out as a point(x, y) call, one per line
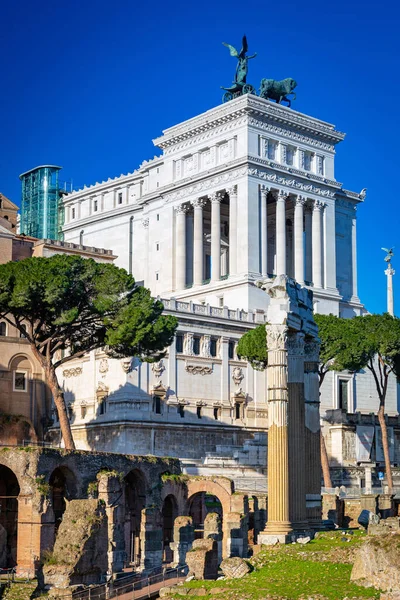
point(216, 197)
point(319, 205)
point(300, 200)
point(282, 196)
point(232, 190)
point(182, 208)
point(199, 202)
point(276, 337)
point(265, 190)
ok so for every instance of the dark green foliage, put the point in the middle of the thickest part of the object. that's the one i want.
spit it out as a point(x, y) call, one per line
point(252, 346)
point(75, 304)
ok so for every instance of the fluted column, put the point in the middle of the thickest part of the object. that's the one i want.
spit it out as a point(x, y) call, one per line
point(232, 230)
point(278, 440)
point(308, 230)
point(281, 233)
point(354, 255)
point(216, 236)
point(198, 267)
point(180, 246)
point(312, 433)
point(264, 232)
point(299, 240)
point(317, 243)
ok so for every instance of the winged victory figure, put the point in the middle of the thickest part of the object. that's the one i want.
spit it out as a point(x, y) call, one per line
point(241, 69)
point(390, 254)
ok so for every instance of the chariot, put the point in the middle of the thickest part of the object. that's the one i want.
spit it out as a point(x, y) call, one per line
point(237, 89)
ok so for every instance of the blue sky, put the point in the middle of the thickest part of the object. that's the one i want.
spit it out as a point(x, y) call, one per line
point(88, 85)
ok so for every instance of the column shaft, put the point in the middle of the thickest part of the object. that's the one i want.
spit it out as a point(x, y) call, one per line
point(180, 247)
point(216, 237)
point(232, 230)
point(264, 236)
point(299, 240)
point(281, 234)
point(198, 268)
point(317, 244)
point(354, 256)
point(308, 230)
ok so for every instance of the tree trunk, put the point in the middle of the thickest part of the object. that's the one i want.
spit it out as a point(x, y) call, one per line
point(59, 401)
point(325, 463)
point(385, 444)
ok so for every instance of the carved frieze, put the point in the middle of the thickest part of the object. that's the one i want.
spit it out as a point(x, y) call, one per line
point(72, 372)
point(291, 183)
point(198, 369)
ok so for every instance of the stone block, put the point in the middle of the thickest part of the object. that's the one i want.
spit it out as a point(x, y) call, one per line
point(202, 559)
point(235, 567)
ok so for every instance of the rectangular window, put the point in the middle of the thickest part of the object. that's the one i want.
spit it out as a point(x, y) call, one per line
point(213, 347)
point(290, 156)
point(73, 213)
point(216, 413)
point(95, 205)
point(158, 217)
point(198, 412)
point(102, 407)
point(157, 246)
point(157, 405)
point(237, 410)
point(221, 301)
point(231, 350)
point(156, 276)
point(22, 334)
point(344, 394)
point(179, 343)
point(120, 198)
point(271, 150)
point(20, 381)
point(307, 161)
point(196, 346)
point(3, 329)
point(181, 410)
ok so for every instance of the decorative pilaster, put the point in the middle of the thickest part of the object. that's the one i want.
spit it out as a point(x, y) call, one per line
point(317, 243)
point(232, 230)
point(216, 236)
point(278, 441)
point(299, 240)
point(264, 231)
point(355, 297)
point(180, 246)
point(281, 233)
point(198, 268)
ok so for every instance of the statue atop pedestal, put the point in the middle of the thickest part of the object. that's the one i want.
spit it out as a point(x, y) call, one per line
point(239, 85)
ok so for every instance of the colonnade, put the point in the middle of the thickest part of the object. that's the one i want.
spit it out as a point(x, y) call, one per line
point(308, 236)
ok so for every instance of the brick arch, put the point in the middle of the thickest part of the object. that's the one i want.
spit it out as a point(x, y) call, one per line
point(210, 487)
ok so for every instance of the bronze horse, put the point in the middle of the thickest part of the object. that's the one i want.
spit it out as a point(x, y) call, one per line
point(278, 90)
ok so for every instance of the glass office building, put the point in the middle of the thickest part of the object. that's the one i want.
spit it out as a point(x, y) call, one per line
point(40, 210)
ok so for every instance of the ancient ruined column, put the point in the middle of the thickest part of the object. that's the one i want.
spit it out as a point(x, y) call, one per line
point(216, 236)
point(281, 233)
point(312, 433)
point(198, 268)
point(180, 246)
point(299, 240)
point(232, 230)
point(278, 524)
point(296, 429)
point(264, 236)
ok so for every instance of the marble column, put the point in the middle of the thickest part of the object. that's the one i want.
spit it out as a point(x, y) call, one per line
point(180, 246)
point(216, 236)
point(308, 232)
point(354, 255)
point(278, 440)
point(281, 233)
point(145, 223)
point(312, 433)
point(198, 266)
point(299, 240)
point(264, 232)
point(232, 230)
point(317, 243)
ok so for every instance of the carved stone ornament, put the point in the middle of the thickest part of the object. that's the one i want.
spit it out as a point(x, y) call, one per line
point(158, 368)
point(126, 364)
point(276, 337)
point(188, 346)
point(198, 370)
point(159, 389)
point(145, 222)
point(237, 375)
point(103, 366)
point(311, 351)
point(72, 372)
point(206, 346)
point(295, 344)
point(199, 202)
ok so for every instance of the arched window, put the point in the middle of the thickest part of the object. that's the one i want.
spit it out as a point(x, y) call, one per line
point(3, 329)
